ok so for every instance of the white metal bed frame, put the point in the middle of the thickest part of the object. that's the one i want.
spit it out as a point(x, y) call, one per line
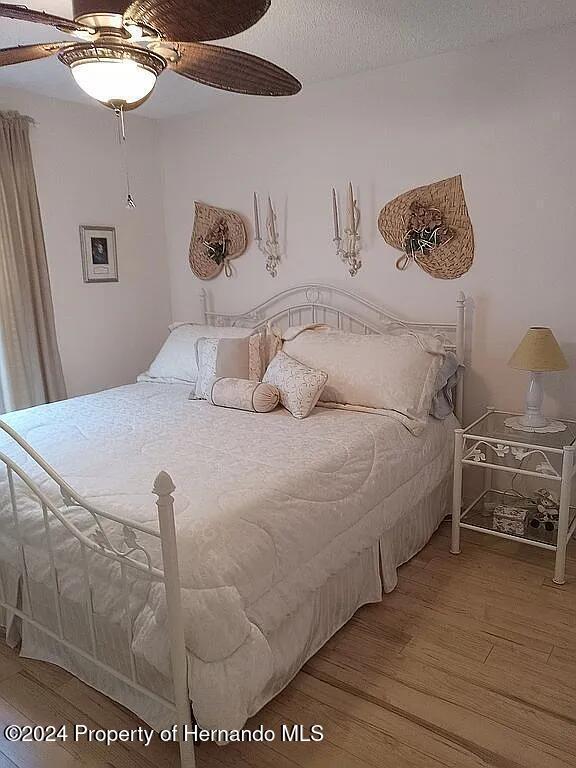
point(303, 304)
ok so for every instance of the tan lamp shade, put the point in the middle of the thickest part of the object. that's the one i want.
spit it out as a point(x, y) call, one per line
point(538, 351)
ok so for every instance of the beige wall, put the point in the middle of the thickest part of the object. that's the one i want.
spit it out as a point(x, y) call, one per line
point(503, 115)
point(108, 333)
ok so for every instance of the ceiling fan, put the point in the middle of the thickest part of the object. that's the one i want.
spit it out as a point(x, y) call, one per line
point(124, 46)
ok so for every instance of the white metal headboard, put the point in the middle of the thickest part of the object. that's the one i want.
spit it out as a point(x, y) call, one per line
point(338, 308)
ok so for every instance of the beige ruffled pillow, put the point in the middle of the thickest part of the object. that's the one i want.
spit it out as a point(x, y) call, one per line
point(243, 394)
point(299, 386)
point(257, 356)
point(220, 357)
point(272, 344)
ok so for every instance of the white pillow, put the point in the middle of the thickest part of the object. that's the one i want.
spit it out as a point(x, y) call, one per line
point(299, 386)
point(389, 373)
point(176, 361)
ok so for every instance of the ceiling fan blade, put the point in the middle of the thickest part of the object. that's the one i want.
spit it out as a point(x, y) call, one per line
point(197, 20)
point(23, 53)
point(22, 13)
point(232, 70)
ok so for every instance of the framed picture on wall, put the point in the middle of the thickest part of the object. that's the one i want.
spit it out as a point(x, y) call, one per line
point(99, 257)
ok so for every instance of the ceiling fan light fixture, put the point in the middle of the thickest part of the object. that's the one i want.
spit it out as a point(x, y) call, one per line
point(114, 80)
point(126, 47)
point(114, 74)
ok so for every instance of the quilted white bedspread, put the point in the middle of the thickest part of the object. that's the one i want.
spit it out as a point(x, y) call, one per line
point(267, 508)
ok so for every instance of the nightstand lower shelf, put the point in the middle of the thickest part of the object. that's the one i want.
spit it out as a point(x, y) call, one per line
point(478, 516)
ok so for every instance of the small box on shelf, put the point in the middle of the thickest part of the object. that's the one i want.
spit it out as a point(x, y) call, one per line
point(507, 519)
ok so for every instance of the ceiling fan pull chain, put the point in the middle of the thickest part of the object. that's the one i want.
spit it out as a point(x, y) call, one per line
point(122, 139)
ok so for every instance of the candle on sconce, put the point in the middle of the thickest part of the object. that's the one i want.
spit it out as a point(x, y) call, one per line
point(256, 217)
point(272, 220)
point(351, 212)
point(335, 215)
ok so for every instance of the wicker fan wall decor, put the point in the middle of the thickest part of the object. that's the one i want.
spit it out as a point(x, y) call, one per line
point(218, 236)
point(432, 227)
point(124, 46)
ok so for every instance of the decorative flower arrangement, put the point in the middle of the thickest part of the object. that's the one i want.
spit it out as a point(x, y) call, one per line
point(216, 242)
point(425, 231)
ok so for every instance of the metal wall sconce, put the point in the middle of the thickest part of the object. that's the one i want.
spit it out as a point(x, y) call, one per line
point(271, 247)
point(348, 249)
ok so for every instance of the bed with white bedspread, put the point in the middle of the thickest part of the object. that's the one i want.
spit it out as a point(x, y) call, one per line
point(283, 528)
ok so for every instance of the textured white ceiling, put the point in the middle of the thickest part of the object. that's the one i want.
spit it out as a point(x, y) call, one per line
point(314, 39)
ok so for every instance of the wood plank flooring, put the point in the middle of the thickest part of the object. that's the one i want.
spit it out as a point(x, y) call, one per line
point(470, 662)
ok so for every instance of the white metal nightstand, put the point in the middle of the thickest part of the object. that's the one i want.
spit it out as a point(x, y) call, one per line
point(490, 445)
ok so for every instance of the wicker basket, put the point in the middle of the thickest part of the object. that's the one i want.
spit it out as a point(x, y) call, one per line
point(448, 261)
point(206, 216)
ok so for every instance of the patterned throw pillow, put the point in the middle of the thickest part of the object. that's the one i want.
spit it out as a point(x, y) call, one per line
point(299, 386)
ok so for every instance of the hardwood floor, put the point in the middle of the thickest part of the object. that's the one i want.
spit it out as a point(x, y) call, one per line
point(470, 662)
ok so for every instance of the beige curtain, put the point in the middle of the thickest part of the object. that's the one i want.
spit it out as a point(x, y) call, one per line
point(30, 367)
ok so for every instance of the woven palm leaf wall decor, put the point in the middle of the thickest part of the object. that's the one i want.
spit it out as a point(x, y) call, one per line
point(431, 226)
point(218, 236)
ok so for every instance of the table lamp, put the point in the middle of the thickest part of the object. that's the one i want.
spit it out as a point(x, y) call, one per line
point(538, 352)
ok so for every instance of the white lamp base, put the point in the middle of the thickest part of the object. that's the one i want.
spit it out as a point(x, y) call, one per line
point(533, 419)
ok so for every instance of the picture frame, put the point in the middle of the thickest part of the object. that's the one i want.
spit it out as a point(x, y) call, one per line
point(99, 254)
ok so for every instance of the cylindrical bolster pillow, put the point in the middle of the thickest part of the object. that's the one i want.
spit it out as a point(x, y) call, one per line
point(243, 394)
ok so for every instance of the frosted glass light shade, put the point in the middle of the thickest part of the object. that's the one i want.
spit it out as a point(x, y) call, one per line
point(538, 351)
point(114, 80)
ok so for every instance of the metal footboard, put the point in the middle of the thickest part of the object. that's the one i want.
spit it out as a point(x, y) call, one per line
point(124, 548)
